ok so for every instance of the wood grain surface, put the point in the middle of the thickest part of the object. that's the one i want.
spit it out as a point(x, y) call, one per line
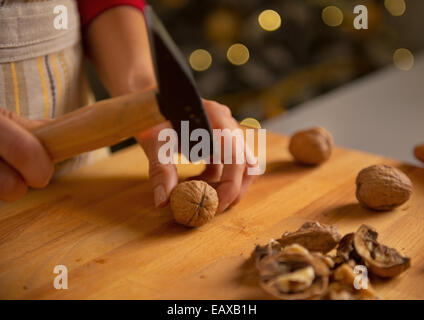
point(101, 224)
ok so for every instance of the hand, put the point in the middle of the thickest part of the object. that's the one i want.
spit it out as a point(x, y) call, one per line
point(232, 179)
point(24, 162)
point(419, 152)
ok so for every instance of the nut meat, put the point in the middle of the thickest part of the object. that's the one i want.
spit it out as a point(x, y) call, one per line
point(194, 203)
point(342, 286)
point(294, 273)
point(381, 187)
point(312, 146)
point(288, 270)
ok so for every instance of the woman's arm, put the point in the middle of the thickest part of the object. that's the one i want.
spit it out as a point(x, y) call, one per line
point(117, 44)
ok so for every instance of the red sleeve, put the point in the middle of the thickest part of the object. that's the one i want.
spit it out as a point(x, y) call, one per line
point(89, 9)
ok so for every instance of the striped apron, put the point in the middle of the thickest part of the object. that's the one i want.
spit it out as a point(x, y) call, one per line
point(41, 65)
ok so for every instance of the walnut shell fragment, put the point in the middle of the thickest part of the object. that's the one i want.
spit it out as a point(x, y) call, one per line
point(345, 250)
point(313, 236)
point(194, 203)
point(382, 187)
point(294, 273)
point(381, 260)
point(311, 146)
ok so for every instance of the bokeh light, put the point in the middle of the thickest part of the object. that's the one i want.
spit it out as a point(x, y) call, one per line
point(332, 16)
point(200, 60)
point(403, 59)
point(251, 123)
point(238, 54)
point(269, 20)
point(395, 7)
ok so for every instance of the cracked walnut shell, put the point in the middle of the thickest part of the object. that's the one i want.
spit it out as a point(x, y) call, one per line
point(313, 236)
point(294, 273)
point(381, 187)
point(381, 260)
point(194, 203)
point(312, 146)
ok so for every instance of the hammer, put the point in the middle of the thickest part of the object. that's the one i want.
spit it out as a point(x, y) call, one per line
point(112, 120)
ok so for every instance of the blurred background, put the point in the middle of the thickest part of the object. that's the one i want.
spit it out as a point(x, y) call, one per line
point(265, 58)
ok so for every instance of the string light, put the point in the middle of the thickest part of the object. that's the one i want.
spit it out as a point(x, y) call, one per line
point(403, 59)
point(332, 16)
point(200, 60)
point(269, 20)
point(395, 7)
point(238, 54)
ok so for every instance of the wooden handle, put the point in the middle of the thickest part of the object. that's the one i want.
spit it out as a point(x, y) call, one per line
point(101, 124)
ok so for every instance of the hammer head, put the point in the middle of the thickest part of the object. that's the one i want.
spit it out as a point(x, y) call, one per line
point(177, 95)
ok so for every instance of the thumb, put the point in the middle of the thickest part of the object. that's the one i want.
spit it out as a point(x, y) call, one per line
point(419, 152)
point(24, 123)
point(162, 176)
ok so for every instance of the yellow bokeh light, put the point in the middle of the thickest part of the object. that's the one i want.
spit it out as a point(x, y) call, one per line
point(395, 7)
point(200, 60)
point(403, 59)
point(251, 123)
point(238, 54)
point(332, 16)
point(269, 20)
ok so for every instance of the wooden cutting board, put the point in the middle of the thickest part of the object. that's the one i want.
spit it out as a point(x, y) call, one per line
point(101, 224)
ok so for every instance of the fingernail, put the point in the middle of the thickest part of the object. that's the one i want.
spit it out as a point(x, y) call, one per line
point(160, 195)
point(223, 207)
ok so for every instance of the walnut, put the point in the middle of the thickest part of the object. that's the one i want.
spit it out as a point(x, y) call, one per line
point(381, 187)
point(194, 203)
point(381, 260)
point(313, 236)
point(312, 146)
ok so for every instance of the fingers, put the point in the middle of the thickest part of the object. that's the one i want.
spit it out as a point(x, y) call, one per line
point(211, 174)
point(24, 152)
point(236, 178)
point(247, 182)
point(229, 186)
point(419, 152)
point(248, 179)
point(23, 122)
point(12, 186)
point(163, 176)
point(231, 180)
